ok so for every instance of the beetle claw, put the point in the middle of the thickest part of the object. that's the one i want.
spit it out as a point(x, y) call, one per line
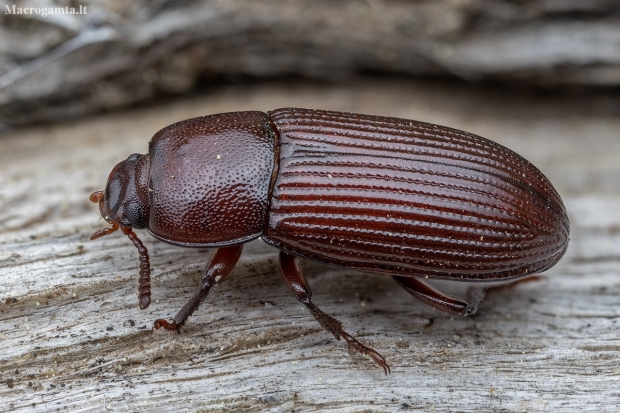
point(375, 356)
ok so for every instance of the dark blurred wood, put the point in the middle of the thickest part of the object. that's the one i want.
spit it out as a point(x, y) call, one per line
point(124, 52)
point(73, 338)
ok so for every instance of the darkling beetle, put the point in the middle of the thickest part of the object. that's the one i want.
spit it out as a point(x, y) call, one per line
point(393, 196)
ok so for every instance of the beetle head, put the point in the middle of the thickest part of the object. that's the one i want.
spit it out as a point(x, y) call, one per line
point(124, 202)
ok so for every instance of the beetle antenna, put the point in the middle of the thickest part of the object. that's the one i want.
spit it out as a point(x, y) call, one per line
point(144, 282)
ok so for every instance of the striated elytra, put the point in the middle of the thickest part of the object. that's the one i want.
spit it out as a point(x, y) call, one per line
point(408, 199)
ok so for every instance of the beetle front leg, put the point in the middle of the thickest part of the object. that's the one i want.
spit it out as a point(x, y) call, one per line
point(220, 265)
point(296, 282)
point(439, 300)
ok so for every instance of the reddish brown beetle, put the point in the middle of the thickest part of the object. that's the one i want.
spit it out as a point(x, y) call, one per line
point(404, 198)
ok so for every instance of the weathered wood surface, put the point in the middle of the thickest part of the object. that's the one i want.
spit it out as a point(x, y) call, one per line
point(121, 52)
point(73, 338)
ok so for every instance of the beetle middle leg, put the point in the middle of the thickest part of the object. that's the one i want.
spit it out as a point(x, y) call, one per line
point(439, 300)
point(220, 265)
point(297, 283)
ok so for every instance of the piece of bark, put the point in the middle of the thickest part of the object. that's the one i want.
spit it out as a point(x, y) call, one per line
point(73, 338)
point(121, 53)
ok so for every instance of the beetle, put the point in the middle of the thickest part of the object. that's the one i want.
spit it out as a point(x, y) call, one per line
point(408, 199)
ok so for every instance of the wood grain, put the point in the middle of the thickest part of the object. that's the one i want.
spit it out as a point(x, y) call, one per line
point(73, 338)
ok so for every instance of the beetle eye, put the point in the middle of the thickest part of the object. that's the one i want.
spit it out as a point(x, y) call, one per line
point(135, 215)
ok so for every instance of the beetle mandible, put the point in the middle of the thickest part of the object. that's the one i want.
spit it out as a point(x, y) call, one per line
point(399, 197)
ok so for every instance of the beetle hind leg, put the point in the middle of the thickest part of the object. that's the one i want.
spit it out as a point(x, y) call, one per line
point(440, 300)
point(295, 280)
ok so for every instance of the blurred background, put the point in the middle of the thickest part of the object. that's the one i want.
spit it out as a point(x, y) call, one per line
point(84, 84)
point(120, 53)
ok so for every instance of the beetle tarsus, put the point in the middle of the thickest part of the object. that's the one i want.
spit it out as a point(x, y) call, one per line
point(378, 358)
point(170, 326)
